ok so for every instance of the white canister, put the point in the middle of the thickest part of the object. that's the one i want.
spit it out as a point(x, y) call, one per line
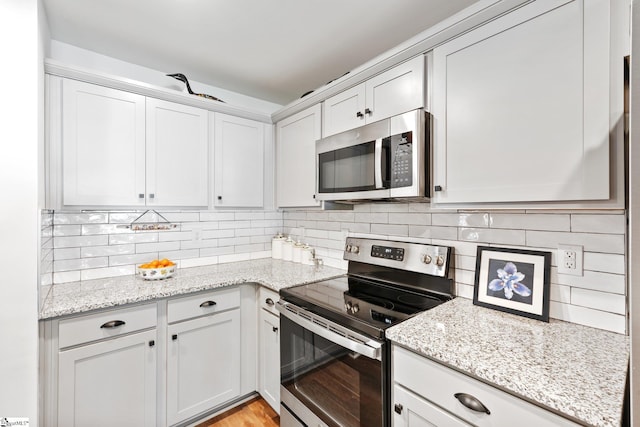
point(296, 253)
point(287, 249)
point(276, 246)
point(308, 255)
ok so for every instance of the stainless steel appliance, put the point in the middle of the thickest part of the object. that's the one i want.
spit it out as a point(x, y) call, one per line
point(387, 159)
point(335, 367)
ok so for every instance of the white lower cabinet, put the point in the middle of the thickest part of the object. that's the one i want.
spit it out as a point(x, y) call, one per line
point(203, 354)
point(269, 360)
point(411, 410)
point(426, 393)
point(102, 369)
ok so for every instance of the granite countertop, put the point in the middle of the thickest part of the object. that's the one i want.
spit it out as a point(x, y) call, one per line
point(573, 370)
point(78, 297)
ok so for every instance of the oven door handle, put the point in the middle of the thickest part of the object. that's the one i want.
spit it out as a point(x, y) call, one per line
point(378, 163)
point(371, 349)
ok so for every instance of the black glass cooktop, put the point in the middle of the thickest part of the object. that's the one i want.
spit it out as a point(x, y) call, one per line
point(362, 304)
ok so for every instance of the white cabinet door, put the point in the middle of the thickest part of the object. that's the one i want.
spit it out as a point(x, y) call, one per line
point(103, 145)
point(239, 162)
point(109, 383)
point(393, 92)
point(296, 158)
point(270, 359)
point(410, 410)
point(203, 364)
point(521, 107)
point(344, 111)
point(396, 91)
point(177, 155)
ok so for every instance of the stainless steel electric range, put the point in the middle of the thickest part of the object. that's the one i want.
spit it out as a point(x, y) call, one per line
point(335, 359)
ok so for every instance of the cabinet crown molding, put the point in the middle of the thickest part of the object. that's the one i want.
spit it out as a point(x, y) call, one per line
point(58, 68)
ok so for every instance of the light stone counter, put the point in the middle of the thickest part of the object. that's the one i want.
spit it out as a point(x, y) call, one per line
point(573, 370)
point(77, 297)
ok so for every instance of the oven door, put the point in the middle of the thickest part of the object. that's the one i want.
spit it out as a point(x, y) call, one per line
point(330, 375)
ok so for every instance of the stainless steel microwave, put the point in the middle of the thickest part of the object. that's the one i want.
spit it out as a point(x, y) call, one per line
point(388, 159)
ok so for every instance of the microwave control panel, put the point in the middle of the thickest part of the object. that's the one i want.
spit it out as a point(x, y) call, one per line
point(401, 149)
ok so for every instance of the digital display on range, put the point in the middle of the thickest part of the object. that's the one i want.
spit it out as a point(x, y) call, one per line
point(387, 252)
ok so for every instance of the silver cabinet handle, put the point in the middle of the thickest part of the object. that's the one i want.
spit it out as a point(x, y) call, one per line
point(269, 301)
point(112, 324)
point(152, 195)
point(208, 304)
point(471, 402)
point(141, 196)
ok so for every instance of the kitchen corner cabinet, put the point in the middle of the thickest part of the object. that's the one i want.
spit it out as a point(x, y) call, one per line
point(123, 149)
point(392, 92)
point(521, 107)
point(416, 402)
point(296, 158)
point(203, 353)
point(238, 161)
point(105, 366)
point(269, 348)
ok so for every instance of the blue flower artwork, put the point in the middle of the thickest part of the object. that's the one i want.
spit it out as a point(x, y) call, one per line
point(510, 281)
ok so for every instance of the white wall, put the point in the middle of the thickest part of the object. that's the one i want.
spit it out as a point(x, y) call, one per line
point(19, 175)
point(73, 55)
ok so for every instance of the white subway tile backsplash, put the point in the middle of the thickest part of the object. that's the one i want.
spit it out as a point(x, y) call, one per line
point(117, 260)
point(96, 251)
point(157, 247)
point(390, 229)
point(100, 273)
point(543, 222)
point(588, 317)
point(410, 218)
point(79, 218)
point(69, 253)
point(67, 230)
point(605, 263)
point(603, 301)
point(372, 217)
point(597, 298)
point(79, 241)
point(605, 243)
point(79, 264)
point(609, 224)
point(137, 237)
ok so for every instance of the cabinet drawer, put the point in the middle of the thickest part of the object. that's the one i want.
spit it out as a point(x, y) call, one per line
point(202, 304)
point(438, 384)
point(268, 299)
point(107, 324)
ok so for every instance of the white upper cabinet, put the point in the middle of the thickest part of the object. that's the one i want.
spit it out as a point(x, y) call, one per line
point(103, 145)
point(239, 161)
point(177, 155)
point(122, 149)
point(295, 158)
point(521, 107)
point(392, 92)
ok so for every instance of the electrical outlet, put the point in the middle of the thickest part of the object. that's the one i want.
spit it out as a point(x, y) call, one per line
point(196, 234)
point(569, 260)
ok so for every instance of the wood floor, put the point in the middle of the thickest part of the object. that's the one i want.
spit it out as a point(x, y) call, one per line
point(254, 413)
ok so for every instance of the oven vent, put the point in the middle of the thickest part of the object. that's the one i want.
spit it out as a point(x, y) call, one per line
point(338, 331)
point(319, 322)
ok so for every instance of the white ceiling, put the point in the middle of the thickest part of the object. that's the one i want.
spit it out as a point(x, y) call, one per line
point(274, 50)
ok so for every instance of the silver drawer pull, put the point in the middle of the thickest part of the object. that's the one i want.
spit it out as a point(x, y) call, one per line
point(112, 324)
point(269, 301)
point(208, 304)
point(471, 402)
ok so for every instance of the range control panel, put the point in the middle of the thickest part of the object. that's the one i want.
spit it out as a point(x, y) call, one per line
point(387, 252)
point(418, 257)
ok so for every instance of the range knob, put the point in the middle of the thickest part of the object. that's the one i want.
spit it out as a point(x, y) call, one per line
point(439, 261)
point(355, 249)
point(347, 248)
point(426, 259)
point(355, 308)
point(348, 305)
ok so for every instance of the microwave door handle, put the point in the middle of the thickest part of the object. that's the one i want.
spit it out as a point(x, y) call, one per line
point(378, 163)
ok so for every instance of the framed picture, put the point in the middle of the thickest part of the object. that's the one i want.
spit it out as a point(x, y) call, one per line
point(515, 281)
